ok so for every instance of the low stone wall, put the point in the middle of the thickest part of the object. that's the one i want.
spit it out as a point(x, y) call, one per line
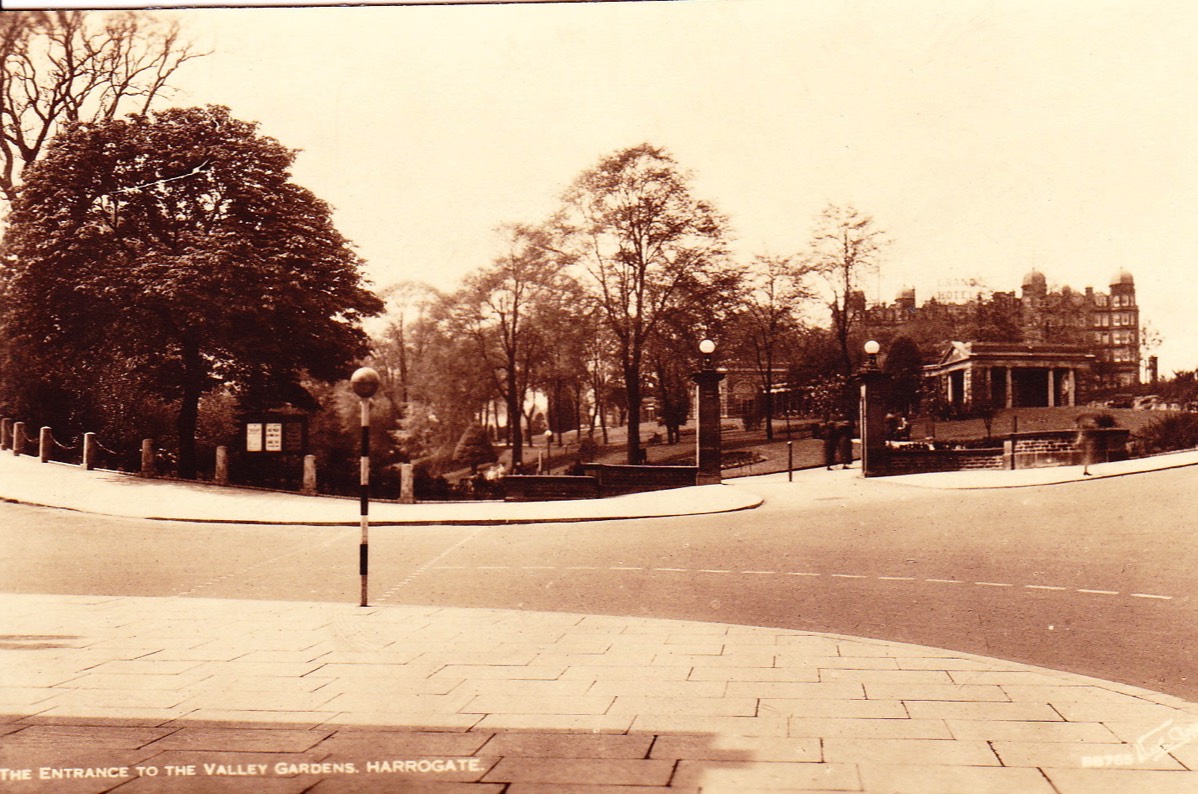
point(922, 461)
point(619, 479)
point(548, 487)
point(1018, 451)
point(598, 479)
point(1066, 447)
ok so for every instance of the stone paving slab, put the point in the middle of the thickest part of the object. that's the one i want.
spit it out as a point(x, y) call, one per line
point(358, 716)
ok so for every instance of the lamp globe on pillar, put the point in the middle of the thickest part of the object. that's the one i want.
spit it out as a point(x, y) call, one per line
point(871, 349)
point(707, 417)
point(365, 382)
point(872, 413)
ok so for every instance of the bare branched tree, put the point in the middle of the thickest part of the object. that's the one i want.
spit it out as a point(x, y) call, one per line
point(845, 247)
point(60, 67)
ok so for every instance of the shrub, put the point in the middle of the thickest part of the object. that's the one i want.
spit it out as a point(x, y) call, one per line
point(1168, 433)
point(1091, 421)
point(588, 449)
point(474, 448)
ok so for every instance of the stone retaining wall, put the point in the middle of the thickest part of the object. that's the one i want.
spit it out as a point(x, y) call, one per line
point(1018, 451)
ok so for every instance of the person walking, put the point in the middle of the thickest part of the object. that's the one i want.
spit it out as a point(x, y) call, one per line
point(831, 437)
point(845, 444)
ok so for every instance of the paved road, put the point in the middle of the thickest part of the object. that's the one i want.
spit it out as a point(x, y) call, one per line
point(1095, 577)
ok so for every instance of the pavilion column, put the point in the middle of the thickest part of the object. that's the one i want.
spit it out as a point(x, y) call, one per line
point(1052, 388)
point(1071, 387)
point(1010, 387)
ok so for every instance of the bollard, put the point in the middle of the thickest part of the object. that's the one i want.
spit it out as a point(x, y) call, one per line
point(18, 438)
point(5, 433)
point(44, 440)
point(222, 466)
point(309, 486)
point(89, 451)
point(407, 484)
point(147, 457)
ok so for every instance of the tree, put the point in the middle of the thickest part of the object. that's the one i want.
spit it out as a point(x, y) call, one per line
point(500, 303)
point(643, 243)
point(399, 349)
point(845, 247)
point(62, 67)
point(177, 245)
point(767, 320)
point(904, 364)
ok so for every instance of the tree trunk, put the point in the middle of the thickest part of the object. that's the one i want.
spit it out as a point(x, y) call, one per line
point(189, 410)
point(632, 387)
point(514, 413)
point(769, 400)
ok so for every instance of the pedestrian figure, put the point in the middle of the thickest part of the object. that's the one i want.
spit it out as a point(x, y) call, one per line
point(831, 436)
point(845, 444)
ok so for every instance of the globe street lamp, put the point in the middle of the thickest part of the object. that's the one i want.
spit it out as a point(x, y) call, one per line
point(365, 382)
point(707, 416)
point(872, 349)
point(872, 413)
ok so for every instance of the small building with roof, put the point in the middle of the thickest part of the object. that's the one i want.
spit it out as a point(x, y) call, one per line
point(969, 375)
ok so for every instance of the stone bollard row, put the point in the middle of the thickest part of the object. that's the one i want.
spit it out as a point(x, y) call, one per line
point(13, 436)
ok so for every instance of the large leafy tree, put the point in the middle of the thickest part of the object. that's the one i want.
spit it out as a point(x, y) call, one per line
point(176, 246)
point(644, 244)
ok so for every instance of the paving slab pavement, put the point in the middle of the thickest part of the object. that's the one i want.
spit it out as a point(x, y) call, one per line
point(187, 694)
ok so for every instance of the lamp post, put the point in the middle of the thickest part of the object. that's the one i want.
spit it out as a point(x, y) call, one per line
point(707, 414)
point(365, 382)
point(872, 413)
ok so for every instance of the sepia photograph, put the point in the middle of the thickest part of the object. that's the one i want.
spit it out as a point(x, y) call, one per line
point(597, 396)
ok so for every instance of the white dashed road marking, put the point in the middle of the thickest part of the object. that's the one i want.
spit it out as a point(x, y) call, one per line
point(1089, 591)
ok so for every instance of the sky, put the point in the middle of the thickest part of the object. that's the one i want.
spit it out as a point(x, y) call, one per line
point(986, 138)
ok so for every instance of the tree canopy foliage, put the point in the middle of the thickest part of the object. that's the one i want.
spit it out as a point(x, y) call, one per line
point(175, 248)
